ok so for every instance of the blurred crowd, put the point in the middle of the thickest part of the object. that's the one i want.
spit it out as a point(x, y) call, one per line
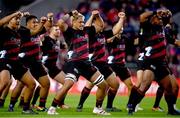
point(133, 8)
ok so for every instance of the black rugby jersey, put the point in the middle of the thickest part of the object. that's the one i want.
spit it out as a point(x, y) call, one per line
point(78, 42)
point(117, 50)
point(30, 45)
point(154, 42)
point(98, 46)
point(50, 50)
point(2, 51)
point(10, 44)
point(170, 35)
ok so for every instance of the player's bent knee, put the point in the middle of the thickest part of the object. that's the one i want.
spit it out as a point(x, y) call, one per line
point(99, 80)
point(71, 77)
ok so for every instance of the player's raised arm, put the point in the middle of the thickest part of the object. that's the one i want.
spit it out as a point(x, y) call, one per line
point(95, 13)
point(49, 23)
point(62, 22)
point(119, 25)
point(6, 19)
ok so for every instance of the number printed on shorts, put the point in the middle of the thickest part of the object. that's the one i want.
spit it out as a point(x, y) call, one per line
point(110, 59)
point(2, 54)
point(141, 56)
point(69, 54)
point(147, 53)
point(90, 56)
point(44, 58)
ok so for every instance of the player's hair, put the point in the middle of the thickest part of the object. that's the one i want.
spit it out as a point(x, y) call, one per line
point(30, 17)
point(55, 25)
point(77, 17)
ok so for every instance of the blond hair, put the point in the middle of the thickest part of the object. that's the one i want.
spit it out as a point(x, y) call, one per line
point(76, 17)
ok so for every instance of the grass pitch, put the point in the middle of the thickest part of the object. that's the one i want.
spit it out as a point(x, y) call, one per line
point(72, 100)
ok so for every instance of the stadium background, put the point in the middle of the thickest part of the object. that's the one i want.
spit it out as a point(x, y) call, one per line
point(108, 9)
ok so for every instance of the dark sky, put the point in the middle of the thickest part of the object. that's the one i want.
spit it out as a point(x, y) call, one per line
point(7, 6)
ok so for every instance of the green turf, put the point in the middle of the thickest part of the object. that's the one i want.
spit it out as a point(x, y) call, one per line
point(72, 100)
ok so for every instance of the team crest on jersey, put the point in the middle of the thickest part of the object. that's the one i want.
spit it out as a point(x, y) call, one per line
point(84, 38)
point(56, 48)
point(36, 40)
point(101, 40)
point(15, 41)
point(121, 46)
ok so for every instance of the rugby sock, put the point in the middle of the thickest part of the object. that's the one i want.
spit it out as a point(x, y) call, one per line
point(170, 101)
point(2, 102)
point(84, 94)
point(135, 97)
point(26, 106)
point(110, 98)
point(159, 95)
point(99, 103)
point(62, 101)
point(42, 102)
point(55, 103)
point(140, 95)
point(131, 96)
point(36, 95)
point(176, 96)
point(13, 101)
point(174, 101)
point(21, 101)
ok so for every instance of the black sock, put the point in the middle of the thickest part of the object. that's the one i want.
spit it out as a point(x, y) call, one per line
point(140, 95)
point(26, 106)
point(13, 101)
point(175, 97)
point(159, 95)
point(2, 102)
point(132, 94)
point(84, 94)
point(135, 97)
point(36, 95)
point(110, 98)
point(170, 101)
point(21, 101)
point(62, 101)
point(99, 103)
point(55, 103)
point(42, 102)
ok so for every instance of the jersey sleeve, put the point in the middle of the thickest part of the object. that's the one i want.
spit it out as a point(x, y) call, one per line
point(108, 34)
point(169, 35)
point(68, 34)
point(1, 40)
point(90, 30)
point(2, 37)
point(25, 34)
point(43, 31)
point(45, 45)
